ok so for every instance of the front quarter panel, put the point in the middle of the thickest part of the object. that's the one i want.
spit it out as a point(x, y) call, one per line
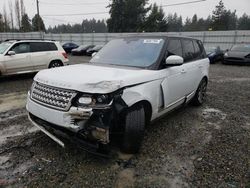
point(150, 91)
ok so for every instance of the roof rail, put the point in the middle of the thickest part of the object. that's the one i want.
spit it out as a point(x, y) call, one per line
point(27, 39)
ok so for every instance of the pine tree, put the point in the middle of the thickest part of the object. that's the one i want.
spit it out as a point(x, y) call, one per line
point(244, 22)
point(25, 24)
point(156, 21)
point(37, 23)
point(127, 15)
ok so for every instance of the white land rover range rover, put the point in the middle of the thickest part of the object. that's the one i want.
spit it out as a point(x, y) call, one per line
point(126, 85)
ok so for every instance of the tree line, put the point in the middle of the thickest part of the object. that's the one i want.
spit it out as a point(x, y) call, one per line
point(127, 16)
point(137, 16)
point(87, 26)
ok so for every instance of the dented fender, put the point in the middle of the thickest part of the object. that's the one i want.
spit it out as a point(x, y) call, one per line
point(138, 93)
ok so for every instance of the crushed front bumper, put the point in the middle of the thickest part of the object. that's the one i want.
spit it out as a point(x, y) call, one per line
point(82, 126)
point(61, 135)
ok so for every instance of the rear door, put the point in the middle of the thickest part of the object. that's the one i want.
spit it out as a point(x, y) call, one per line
point(20, 62)
point(42, 53)
point(191, 54)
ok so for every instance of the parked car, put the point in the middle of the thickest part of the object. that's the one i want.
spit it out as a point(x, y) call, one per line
point(239, 54)
point(68, 47)
point(22, 56)
point(214, 54)
point(81, 50)
point(118, 94)
point(97, 48)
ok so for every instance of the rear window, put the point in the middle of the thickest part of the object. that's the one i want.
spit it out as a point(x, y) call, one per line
point(197, 50)
point(188, 50)
point(42, 46)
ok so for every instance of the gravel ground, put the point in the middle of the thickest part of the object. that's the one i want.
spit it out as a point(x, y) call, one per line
point(206, 146)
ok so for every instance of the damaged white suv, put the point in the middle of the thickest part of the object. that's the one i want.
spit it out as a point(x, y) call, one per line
point(126, 85)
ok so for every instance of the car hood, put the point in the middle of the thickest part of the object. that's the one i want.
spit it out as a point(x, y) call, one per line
point(237, 54)
point(94, 78)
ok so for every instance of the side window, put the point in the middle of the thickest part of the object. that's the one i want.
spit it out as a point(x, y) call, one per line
point(21, 48)
point(203, 53)
point(197, 50)
point(188, 50)
point(174, 47)
point(35, 47)
point(52, 47)
point(43, 47)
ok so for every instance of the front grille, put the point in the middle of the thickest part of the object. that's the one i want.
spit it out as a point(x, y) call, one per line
point(52, 97)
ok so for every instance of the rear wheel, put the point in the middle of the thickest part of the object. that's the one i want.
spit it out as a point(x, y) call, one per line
point(133, 129)
point(55, 64)
point(200, 94)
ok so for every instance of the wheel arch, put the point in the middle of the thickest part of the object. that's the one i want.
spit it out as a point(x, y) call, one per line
point(206, 78)
point(147, 107)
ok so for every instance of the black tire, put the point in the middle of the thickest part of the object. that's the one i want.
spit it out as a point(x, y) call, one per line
point(133, 129)
point(200, 94)
point(55, 64)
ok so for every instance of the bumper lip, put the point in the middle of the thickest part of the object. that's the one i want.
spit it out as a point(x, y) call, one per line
point(57, 140)
point(79, 143)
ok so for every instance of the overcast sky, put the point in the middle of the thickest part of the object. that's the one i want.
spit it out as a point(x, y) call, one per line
point(49, 8)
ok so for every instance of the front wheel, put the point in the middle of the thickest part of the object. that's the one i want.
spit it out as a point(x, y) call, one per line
point(200, 94)
point(133, 129)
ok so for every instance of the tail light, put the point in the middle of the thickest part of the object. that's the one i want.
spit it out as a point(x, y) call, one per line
point(65, 55)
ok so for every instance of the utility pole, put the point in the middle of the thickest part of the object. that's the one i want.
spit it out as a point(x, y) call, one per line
point(38, 15)
point(38, 18)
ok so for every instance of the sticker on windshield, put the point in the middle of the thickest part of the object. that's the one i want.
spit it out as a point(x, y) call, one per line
point(152, 41)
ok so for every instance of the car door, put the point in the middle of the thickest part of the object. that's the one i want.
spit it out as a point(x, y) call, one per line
point(174, 84)
point(191, 54)
point(40, 56)
point(20, 62)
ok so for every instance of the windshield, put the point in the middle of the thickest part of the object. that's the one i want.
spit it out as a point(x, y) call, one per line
point(4, 46)
point(136, 52)
point(244, 48)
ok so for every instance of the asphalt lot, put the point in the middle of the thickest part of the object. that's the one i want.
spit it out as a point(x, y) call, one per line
point(206, 146)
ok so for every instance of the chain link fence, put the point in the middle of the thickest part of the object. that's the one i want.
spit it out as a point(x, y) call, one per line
point(224, 39)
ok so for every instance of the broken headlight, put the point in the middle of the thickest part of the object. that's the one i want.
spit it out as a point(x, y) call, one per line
point(93, 100)
point(103, 99)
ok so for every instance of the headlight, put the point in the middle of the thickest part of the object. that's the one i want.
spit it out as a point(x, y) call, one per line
point(102, 99)
point(226, 54)
point(85, 100)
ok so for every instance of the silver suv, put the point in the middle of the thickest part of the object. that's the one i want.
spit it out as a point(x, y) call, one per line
point(23, 56)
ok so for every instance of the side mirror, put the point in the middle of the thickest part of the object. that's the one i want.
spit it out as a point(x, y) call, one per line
point(227, 50)
point(174, 60)
point(10, 53)
point(94, 54)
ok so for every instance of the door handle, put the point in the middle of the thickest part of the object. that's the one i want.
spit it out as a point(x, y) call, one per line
point(183, 71)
